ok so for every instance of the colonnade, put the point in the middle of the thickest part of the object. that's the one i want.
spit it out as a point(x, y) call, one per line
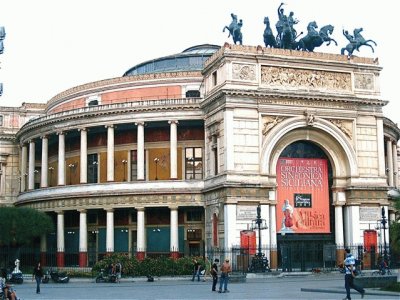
point(27, 169)
point(392, 164)
point(83, 235)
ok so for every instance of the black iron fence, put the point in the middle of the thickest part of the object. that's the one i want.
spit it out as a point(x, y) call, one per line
point(286, 257)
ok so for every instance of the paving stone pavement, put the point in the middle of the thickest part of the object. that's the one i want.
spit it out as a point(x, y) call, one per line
point(316, 286)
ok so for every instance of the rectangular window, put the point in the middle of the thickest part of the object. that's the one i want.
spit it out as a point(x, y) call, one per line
point(214, 78)
point(214, 150)
point(193, 163)
point(93, 168)
point(134, 167)
point(194, 215)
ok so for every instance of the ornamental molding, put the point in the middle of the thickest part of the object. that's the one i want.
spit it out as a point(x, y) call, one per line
point(315, 79)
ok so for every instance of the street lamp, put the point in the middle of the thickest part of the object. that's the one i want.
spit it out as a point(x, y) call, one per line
point(259, 261)
point(156, 160)
point(124, 161)
point(382, 226)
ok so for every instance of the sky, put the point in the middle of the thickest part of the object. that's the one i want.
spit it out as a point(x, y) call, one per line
point(54, 45)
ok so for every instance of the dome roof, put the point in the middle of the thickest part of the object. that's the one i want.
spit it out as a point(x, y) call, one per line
point(191, 59)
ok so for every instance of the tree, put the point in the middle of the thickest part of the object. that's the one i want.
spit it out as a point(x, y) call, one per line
point(394, 231)
point(20, 226)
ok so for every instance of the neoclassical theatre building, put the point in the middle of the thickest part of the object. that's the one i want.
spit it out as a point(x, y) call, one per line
point(176, 155)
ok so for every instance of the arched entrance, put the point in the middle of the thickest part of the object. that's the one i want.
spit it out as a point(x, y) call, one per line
point(304, 211)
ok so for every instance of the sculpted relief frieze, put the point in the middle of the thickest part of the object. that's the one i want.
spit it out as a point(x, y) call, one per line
point(317, 79)
point(243, 72)
point(364, 81)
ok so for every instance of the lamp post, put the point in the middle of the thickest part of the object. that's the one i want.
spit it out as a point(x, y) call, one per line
point(156, 160)
point(384, 222)
point(259, 262)
point(124, 161)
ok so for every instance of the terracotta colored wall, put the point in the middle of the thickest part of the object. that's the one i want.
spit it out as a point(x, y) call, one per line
point(72, 174)
point(119, 168)
point(78, 103)
point(163, 166)
point(162, 92)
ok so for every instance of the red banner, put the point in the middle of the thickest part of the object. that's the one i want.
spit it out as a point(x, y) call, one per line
point(248, 241)
point(303, 196)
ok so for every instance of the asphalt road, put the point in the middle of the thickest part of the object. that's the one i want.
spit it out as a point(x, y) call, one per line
point(318, 286)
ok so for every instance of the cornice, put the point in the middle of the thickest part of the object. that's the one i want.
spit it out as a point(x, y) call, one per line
point(115, 83)
point(112, 109)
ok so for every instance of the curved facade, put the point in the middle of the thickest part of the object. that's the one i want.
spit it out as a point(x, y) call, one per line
point(174, 158)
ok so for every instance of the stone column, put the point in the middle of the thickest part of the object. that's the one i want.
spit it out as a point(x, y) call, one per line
point(60, 239)
point(24, 159)
point(173, 149)
point(110, 231)
point(272, 225)
point(265, 234)
point(31, 167)
point(2, 178)
point(140, 150)
point(43, 249)
point(395, 167)
point(389, 156)
point(352, 225)
point(380, 140)
point(61, 158)
point(174, 241)
point(230, 226)
point(141, 234)
point(110, 152)
point(45, 162)
point(339, 234)
point(83, 156)
point(82, 238)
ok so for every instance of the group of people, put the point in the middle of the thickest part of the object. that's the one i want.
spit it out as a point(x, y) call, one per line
point(115, 269)
point(223, 274)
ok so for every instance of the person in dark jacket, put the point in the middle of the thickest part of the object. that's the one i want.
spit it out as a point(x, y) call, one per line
point(214, 274)
point(37, 275)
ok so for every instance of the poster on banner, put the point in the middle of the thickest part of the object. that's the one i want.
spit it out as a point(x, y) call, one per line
point(303, 196)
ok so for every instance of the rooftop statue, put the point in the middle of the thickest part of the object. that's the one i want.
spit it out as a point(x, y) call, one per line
point(269, 38)
point(355, 41)
point(235, 29)
point(314, 38)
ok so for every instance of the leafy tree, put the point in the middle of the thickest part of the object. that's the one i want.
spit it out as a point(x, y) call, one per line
point(20, 226)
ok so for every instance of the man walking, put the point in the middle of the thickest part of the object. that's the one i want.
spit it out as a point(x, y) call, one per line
point(349, 265)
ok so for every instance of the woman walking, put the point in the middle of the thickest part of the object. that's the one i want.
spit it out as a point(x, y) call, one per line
point(37, 274)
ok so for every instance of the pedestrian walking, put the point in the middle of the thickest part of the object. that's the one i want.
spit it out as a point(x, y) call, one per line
point(207, 269)
point(214, 274)
point(349, 266)
point(196, 270)
point(223, 281)
point(37, 275)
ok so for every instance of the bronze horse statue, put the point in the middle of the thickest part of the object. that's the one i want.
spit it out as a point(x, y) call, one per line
point(269, 38)
point(314, 38)
point(355, 42)
point(235, 29)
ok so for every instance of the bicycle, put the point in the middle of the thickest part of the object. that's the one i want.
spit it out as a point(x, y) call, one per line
point(382, 272)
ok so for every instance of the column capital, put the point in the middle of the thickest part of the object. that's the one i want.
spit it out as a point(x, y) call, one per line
point(82, 129)
point(108, 209)
point(59, 212)
point(140, 123)
point(109, 126)
point(60, 132)
point(43, 136)
point(140, 208)
point(173, 122)
point(173, 207)
point(82, 210)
